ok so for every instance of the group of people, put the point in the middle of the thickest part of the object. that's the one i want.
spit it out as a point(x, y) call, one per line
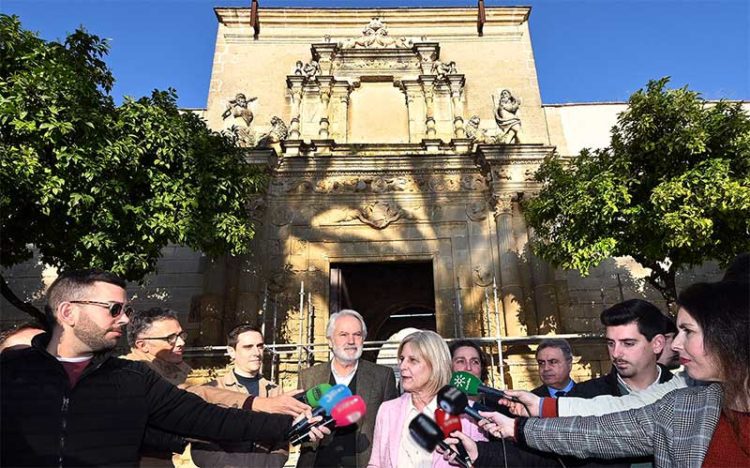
point(67, 401)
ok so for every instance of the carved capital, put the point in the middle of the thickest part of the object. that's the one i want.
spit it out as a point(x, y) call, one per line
point(503, 204)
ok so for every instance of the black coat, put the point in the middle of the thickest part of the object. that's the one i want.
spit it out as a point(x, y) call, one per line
point(102, 420)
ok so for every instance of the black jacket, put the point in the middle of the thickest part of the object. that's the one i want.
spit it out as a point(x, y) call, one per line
point(102, 420)
point(607, 384)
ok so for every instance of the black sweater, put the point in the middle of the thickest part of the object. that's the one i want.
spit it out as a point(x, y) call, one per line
point(102, 420)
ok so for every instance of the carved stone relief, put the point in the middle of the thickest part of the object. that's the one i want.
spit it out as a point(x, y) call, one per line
point(379, 184)
point(282, 216)
point(379, 214)
point(375, 36)
point(477, 211)
point(506, 116)
point(242, 116)
point(482, 275)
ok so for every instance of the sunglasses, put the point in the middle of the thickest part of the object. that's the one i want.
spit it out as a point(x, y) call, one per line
point(171, 339)
point(114, 308)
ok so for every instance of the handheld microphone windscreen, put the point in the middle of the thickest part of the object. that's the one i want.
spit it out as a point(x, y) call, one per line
point(325, 405)
point(472, 386)
point(449, 423)
point(425, 432)
point(428, 435)
point(312, 396)
point(454, 401)
point(466, 382)
point(349, 411)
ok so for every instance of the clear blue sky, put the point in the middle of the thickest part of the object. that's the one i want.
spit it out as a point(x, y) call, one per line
point(595, 50)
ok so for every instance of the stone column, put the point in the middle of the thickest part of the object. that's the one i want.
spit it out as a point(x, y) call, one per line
point(428, 88)
point(456, 83)
point(415, 107)
point(340, 92)
point(294, 83)
point(325, 98)
point(510, 278)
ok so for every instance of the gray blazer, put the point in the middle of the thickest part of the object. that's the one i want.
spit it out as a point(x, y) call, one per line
point(676, 429)
point(374, 383)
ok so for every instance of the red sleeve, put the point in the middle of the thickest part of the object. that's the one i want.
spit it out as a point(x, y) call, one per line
point(549, 408)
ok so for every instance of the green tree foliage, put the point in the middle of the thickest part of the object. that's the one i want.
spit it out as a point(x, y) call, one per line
point(672, 190)
point(91, 184)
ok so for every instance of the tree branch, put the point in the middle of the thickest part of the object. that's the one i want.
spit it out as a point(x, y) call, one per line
point(16, 302)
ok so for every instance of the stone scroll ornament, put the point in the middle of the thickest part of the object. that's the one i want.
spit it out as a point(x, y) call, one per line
point(375, 36)
point(506, 116)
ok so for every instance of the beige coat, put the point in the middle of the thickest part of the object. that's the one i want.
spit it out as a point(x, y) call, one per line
point(177, 374)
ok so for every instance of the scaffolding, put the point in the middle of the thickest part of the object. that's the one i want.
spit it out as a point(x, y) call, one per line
point(307, 352)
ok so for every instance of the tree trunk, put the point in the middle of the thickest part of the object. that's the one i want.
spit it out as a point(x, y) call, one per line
point(27, 307)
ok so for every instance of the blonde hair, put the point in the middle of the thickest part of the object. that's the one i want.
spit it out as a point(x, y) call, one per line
point(432, 348)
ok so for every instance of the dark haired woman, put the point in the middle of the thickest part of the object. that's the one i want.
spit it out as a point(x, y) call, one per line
point(705, 426)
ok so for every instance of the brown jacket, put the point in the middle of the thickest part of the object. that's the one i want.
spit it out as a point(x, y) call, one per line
point(374, 383)
point(177, 374)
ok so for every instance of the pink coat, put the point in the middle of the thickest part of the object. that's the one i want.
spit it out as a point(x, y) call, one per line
point(387, 438)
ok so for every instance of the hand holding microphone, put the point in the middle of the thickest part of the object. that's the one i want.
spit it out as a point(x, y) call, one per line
point(326, 403)
point(348, 411)
point(428, 435)
point(450, 423)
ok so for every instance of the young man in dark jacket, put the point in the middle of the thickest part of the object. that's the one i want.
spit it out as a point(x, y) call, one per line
point(635, 333)
point(66, 402)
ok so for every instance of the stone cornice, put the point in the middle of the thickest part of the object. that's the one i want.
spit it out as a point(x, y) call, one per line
point(412, 18)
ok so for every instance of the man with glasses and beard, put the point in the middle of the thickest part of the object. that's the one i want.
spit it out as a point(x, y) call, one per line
point(157, 339)
point(66, 401)
point(348, 446)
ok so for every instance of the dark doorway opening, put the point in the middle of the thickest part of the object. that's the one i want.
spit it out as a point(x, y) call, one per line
point(390, 296)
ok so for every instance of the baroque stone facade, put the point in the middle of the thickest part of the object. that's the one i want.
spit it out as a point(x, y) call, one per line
point(393, 138)
point(404, 144)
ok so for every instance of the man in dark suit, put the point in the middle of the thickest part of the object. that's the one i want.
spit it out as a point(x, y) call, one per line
point(348, 446)
point(555, 360)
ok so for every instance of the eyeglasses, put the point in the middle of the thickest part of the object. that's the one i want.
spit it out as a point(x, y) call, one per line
point(171, 339)
point(115, 308)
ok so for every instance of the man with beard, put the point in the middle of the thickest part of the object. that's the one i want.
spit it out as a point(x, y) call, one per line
point(635, 339)
point(349, 446)
point(65, 401)
point(157, 339)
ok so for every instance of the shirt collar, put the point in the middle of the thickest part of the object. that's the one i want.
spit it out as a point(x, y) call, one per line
point(630, 390)
point(565, 389)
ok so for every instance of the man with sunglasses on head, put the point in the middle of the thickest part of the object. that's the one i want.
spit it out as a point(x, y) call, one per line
point(66, 401)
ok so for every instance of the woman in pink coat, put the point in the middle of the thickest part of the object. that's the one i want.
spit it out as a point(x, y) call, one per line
point(425, 366)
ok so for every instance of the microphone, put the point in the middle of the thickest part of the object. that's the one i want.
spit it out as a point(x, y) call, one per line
point(449, 423)
point(312, 396)
point(326, 404)
point(349, 411)
point(428, 435)
point(472, 386)
point(454, 401)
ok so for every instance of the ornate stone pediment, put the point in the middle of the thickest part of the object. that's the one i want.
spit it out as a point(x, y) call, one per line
point(375, 36)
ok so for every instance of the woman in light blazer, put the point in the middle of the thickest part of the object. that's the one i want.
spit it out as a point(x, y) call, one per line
point(425, 366)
